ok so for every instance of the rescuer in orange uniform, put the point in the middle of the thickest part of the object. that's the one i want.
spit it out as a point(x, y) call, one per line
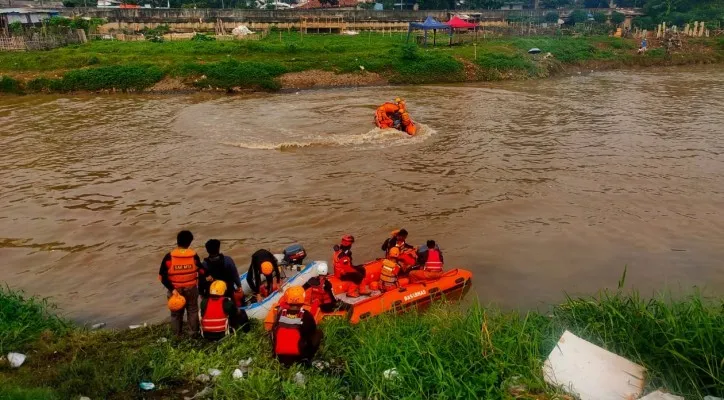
point(219, 313)
point(390, 271)
point(386, 114)
point(430, 261)
point(346, 271)
point(320, 294)
point(179, 273)
point(295, 337)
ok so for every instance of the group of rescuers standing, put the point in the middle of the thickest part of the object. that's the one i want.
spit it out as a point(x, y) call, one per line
point(295, 337)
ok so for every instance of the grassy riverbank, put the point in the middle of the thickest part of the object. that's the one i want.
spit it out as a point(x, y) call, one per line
point(293, 61)
point(444, 353)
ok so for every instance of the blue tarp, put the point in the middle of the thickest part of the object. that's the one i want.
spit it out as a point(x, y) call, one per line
point(430, 23)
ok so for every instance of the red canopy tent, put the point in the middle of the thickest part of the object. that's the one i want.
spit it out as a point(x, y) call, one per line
point(459, 23)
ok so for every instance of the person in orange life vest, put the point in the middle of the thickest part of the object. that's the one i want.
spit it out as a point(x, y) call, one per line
point(219, 314)
point(429, 263)
point(320, 291)
point(399, 240)
point(390, 271)
point(179, 272)
point(264, 263)
point(295, 337)
point(346, 271)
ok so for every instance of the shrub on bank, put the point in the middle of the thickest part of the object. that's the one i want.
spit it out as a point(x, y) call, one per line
point(231, 74)
point(9, 85)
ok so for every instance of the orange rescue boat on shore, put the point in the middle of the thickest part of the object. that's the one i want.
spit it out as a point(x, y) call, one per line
point(453, 285)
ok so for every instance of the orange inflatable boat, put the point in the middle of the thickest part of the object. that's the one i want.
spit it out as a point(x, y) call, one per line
point(391, 115)
point(451, 286)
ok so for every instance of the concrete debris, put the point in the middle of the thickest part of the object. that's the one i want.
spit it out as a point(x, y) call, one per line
point(16, 359)
point(659, 395)
point(321, 365)
point(592, 373)
point(214, 372)
point(246, 363)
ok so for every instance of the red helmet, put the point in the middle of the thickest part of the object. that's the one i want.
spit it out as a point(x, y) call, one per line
point(347, 240)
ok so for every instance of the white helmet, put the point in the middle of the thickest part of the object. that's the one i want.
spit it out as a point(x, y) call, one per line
point(322, 268)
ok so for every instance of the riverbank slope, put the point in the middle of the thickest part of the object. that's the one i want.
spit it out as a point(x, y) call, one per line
point(479, 352)
point(291, 61)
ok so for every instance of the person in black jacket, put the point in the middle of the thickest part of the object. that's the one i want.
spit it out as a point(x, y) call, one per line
point(253, 277)
point(219, 267)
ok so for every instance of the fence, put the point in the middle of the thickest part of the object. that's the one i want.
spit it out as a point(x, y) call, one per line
point(38, 41)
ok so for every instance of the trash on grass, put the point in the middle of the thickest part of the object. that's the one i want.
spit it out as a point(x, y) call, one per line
point(534, 50)
point(146, 386)
point(98, 325)
point(659, 395)
point(203, 378)
point(213, 372)
point(390, 373)
point(237, 374)
point(16, 359)
point(590, 372)
point(137, 326)
point(300, 379)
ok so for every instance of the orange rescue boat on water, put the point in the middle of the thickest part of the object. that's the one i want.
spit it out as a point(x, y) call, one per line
point(394, 115)
point(452, 286)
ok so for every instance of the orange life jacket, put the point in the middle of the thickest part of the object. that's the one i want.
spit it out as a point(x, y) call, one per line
point(182, 270)
point(388, 273)
point(434, 261)
point(288, 335)
point(214, 319)
point(342, 262)
point(318, 294)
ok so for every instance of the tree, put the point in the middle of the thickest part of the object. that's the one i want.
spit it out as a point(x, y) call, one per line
point(617, 18)
point(595, 3)
point(600, 17)
point(578, 16)
point(554, 3)
point(552, 17)
point(484, 4)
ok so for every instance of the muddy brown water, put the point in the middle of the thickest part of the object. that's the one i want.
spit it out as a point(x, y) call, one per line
point(539, 187)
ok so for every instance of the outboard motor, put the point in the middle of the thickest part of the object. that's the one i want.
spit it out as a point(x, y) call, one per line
point(295, 255)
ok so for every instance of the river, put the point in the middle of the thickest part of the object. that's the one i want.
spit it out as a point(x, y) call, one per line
point(538, 187)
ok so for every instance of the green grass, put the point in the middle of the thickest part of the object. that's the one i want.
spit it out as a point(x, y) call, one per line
point(101, 65)
point(447, 352)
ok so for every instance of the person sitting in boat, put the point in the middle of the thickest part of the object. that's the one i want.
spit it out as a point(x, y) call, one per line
point(320, 291)
point(295, 337)
point(390, 271)
point(384, 115)
point(264, 263)
point(429, 262)
point(344, 270)
point(399, 240)
point(219, 315)
point(220, 267)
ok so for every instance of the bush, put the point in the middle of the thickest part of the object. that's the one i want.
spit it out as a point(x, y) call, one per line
point(617, 18)
point(9, 85)
point(117, 77)
point(39, 84)
point(200, 37)
point(24, 319)
point(600, 17)
point(552, 17)
point(503, 62)
point(230, 74)
point(15, 28)
point(410, 52)
point(429, 68)
point(643, 23)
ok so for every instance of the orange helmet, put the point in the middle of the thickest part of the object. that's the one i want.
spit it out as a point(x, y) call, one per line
point(267, 268)
point(218, 288)
point(394, 252)
point(347, 240)
point(295, 295)
point(176, 302)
